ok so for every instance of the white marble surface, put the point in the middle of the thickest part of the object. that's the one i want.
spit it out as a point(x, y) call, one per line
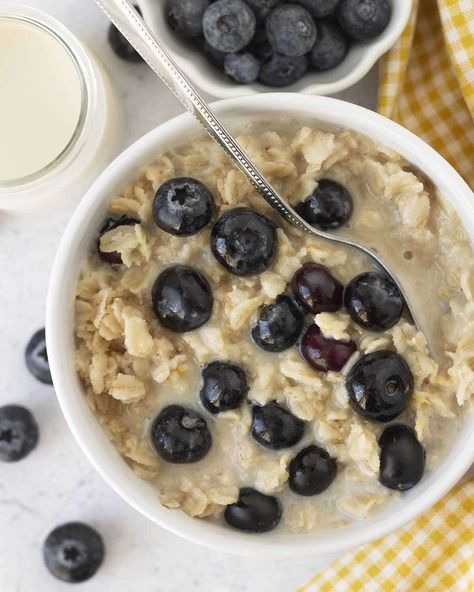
point(56, 483)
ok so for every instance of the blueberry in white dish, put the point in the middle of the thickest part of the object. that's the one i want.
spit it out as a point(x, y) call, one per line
point(36, 357)
point(244, 242)
point(325, 354)
point(373, 301)
point(319, 8)
point(228, 25)
point(363, 19)
point(275, 427)
point(182, 298)
point(279, 325)
point(19, 433)
point(380, 385)
point(402, 458)
point(329, 51)
point(328, 207)
point(114, 257)
point(224, 386)
point(120, 45)
point(242, 67)
point(291, 30)
point(317, 289)
point(180, 435)
point(185, 16)
point(260, 46)
point(280, 70)
point(182, 206)
point(261, 8)
point(253, 511)
point(73, 552)
point(311, 471)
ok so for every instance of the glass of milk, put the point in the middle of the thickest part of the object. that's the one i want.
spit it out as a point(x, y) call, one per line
point(59, 119)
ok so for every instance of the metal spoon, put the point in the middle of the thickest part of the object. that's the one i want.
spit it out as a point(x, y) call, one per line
point(415, 278)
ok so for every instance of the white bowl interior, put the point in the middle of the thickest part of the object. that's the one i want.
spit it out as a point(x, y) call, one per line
point(359, 60)
point(80, 235)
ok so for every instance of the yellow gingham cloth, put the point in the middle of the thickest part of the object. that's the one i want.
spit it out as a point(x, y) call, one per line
point(435, 553)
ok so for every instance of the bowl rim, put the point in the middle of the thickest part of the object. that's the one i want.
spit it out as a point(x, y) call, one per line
point(211, 82)
point(60, 345)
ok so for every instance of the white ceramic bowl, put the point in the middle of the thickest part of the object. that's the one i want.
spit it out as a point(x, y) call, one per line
point(80, 236)
point(359, 60)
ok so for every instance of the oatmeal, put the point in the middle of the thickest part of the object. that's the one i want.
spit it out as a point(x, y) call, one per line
point(255, 377)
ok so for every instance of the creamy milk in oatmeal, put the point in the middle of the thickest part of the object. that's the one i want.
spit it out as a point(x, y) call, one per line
point(134, 363)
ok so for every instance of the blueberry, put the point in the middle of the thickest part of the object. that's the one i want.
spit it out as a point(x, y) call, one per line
point(185, 16)
point(213, 56)
point(241, 67)
point(224, 387)
point(36, 357)
point(317, 289)
point(291, 30)
point(114, 258)
point(323, 353)
point(244, 242)
point(328, 207)
point(319, 8)
point(373, 301)
point(328, 52)
point(254, 511)
point(278, 326)
point(73, 552)
point(363, 19)
point(228, 25)
point(182, 298)
point(311, 471)
point(261, 8)
point(120, 46)
point(275, 427)
point(282, 70)
point(182, 206)
point(18, 433)
point(380, 385)
point(180, 435)
point(402, 458)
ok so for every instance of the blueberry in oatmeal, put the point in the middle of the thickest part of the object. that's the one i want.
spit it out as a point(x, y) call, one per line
point(73, 552)
point(254, 511)
point(311, 471)
point(110, 224)
point(182, 206)
point(291, 30)
point(324, 353)
point(275, 427)
point(279, 325)
point(330, 48)
point(185, 16)
point(182, 298)
point(224, 387)
point(36, 357)
point(120, 45)
point(244, 242)
point(241, 67)
point(317, 289)
point(373, 301)
point(280, 70)
point(380, 385)
point(319, 8)
point(180, 435)
point(228, 25)
point(402, 458)
point(328, 207)
point(363, 19)
point(18, 433)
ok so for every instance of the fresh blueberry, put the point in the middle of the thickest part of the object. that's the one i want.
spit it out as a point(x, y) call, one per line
point(224, 387)
point(380, 385)
point(325, 354)
point(214, 56)
point(311, 471)
point(36, 357)
point(182, 206)
point(328, 207)
point(278, 326)
point(402, 458)
point(228, 25)
point(253, 511)
point(363, 19)
point(114, 258)
point(182, 298)
point(73, 552)
point(373, 301)
point(275, 427)
point(319, 8)
point(260, 46)
point(244, 242)
point(120, 46)
point(185, 16)
point(291, 30)
point(282, 70)
point(241, 67)
point(180, 435)
point(317, 289)
point(329, 50)
point(18, 433)
point(261, 8)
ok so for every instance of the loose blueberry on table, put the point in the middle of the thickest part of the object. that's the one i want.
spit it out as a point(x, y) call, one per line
point(224, 387)
point(311, 471)
point(253, 511)
point(73, 552)
point(120, 46)
point(275, 427)
point(114, 257)
point(402, 458)
point(19, 433)
point(36, 357)
point(279, 325)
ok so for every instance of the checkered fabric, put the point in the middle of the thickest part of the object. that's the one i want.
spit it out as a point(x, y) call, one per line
point(427, 79)
point(435, 553)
